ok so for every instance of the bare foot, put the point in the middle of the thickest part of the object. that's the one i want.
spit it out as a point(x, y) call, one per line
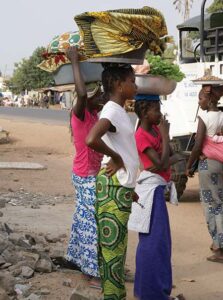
point(214, 248)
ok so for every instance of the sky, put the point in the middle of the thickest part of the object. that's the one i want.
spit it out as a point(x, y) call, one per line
point(28, 24)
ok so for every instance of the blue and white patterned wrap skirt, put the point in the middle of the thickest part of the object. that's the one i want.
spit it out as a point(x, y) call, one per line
point(211, 192)
point(83, 244)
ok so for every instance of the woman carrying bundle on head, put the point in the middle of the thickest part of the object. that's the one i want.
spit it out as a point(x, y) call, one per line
point(82, 248)
point(209, 147)
point(113, 136)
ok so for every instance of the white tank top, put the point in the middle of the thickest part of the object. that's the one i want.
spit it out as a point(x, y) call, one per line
point(213, 121)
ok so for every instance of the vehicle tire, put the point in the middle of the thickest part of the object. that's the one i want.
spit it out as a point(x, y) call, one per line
point(178, 170)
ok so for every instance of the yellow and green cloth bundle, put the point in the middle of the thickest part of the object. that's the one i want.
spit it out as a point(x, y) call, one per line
point(120, 31)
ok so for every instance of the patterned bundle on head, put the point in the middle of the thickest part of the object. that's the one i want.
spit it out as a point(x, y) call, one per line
point(55, 55)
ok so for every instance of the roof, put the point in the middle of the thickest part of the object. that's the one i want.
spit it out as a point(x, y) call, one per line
point(210, 20)
point(195, 22)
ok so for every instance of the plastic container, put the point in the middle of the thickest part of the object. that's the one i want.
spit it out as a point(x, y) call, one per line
point(91, 72)
point(154, 85)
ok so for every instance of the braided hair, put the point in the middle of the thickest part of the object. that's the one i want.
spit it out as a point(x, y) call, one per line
point(113, 73)
point(141, 107)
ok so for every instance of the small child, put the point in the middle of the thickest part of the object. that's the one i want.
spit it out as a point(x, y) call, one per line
point(211, 148)
point(218, 138)
point(210, 125)
point(153, 278)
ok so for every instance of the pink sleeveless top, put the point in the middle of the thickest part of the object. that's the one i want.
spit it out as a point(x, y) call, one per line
point(86, 162)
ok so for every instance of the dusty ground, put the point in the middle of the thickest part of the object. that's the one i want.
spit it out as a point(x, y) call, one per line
point(50, 145)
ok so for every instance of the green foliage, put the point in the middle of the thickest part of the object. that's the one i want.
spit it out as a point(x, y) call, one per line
point(194, 35)
point(159, 66)
point(27, 76)
point(216, 6)
point(170, 52)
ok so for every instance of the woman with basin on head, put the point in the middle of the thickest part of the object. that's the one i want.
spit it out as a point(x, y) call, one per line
point(82, 249)
point(209, 149)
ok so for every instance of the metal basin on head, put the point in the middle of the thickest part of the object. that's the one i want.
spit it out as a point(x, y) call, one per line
point(91, 72)
point(154, 85)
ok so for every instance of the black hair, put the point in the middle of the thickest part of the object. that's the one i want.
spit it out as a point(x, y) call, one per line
point(112, 73)
point(141, 107)
point(214, 94)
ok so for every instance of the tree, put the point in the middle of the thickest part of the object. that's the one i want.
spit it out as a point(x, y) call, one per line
point(27, 76)
point(217, 5)
point(183, 6)
point(170, 52)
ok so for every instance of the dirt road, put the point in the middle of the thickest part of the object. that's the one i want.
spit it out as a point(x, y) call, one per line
point(50, 145)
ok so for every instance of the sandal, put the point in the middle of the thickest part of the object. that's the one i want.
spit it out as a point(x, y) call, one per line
point(95, 283)
point(215, 258)
point(63, 263)
point(179, 297)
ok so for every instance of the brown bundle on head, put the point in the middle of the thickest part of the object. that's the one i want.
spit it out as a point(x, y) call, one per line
point(120, 31)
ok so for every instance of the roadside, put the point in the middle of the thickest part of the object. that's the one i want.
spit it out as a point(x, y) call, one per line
point(43, 204)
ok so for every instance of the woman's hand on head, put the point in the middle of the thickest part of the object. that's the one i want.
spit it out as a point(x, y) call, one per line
point(72, 54)
point(114, 165)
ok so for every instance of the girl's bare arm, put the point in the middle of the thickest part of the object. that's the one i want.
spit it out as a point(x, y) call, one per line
point(199, 140)
point(161, 162)
point(94, 141)
point(78, 109)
